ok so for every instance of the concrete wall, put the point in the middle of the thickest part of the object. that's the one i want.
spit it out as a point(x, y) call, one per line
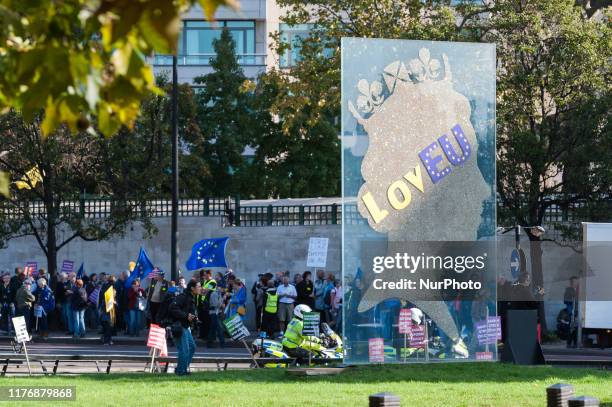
point(250, 251)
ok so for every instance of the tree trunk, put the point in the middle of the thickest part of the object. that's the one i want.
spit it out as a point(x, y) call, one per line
point(51, 232)
point(52, 255)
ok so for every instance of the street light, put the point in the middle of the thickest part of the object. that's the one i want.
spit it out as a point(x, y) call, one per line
point(175, 176)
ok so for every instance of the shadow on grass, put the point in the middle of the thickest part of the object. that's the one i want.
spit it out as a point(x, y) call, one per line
point(449, 373)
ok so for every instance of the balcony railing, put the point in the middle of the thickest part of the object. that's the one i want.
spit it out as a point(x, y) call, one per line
point(204, 59)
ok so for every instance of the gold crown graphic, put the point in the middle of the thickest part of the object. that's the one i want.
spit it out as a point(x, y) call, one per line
point(419, 70)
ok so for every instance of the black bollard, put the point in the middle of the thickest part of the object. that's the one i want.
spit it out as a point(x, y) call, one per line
point(583, 401)
point(558, 395)
point(384, 400)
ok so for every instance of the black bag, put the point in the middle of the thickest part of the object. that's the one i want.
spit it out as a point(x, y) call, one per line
point(163, 317)
point(177, 329)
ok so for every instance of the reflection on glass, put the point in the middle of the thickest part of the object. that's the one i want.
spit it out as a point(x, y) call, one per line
point(418, 137)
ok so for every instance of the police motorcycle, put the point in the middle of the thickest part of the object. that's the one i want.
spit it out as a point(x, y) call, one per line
point(332, 348)
point(436, 348)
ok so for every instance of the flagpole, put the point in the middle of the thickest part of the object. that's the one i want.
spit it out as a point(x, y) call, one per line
point(175, 175)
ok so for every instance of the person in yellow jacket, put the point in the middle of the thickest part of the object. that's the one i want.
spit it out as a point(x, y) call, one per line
point(294, 342)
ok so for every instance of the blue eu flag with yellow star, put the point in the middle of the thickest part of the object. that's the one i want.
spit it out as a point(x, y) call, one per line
point(143, 267)
point(208, 253)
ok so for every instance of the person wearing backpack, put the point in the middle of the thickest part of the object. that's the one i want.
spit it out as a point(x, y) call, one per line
point(183, 313)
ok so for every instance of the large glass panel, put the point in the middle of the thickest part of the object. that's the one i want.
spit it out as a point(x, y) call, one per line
point(418, 168)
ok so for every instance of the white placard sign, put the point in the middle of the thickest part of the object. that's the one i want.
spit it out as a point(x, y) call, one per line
point(21, 332)
point(317, 252)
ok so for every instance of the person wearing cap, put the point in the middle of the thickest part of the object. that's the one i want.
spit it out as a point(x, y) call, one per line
point(269, 321)
point(24, 300)
point(156, 293)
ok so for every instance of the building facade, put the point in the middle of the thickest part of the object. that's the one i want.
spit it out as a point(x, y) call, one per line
point(251, 27)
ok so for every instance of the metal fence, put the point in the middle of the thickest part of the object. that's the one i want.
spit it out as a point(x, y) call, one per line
point(237, 213)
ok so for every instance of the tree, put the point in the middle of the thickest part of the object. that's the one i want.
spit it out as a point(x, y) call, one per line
point(302, 159)
point(225, 119)
point(553, 110)
point(53, 173)
point(149, 139)
point(128, 169)
point(94, 55)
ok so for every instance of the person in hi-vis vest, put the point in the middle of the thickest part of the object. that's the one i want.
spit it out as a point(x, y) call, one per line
point(269, 322)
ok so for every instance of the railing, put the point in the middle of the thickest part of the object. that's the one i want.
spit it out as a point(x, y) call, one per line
point(295, 215)
point(204, 59)
point(237, 213)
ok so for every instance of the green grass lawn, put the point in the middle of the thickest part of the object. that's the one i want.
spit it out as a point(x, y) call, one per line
point(469, 384)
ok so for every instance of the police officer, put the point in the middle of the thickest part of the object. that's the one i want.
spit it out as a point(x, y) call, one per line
point(295, 343)
point(269, 322)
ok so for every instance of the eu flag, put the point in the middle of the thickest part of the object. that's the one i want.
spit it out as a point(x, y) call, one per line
point(208, 253)
point(143, 267)
point(80, 273)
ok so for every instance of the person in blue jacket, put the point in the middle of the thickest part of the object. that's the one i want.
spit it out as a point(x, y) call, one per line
point(43, 306)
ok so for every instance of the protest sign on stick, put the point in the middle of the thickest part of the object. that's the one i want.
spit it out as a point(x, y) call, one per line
point(157, 342)
point(22, 336)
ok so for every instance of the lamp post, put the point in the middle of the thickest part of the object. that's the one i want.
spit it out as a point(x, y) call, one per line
point(175, 175)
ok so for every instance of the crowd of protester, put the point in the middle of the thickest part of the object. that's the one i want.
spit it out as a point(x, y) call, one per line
point(275, 297)
point(78, 305)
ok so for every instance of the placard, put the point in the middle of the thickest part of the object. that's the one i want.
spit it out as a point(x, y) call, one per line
point(157, 339)
point(376, 350)
point(488, 333)
point(235, 327)
point(417, 336)
point(67, 266)
point(405, 321)
point(484, 355)
point(317, 252)
point(109, 298)
point(312, 322)
point(21, 331)
point(31, 268)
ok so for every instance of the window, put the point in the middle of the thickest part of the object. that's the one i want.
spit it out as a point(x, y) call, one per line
point(196, 42)
point(293, 36)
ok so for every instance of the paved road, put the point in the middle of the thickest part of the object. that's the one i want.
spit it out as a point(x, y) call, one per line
point(84, 349)
point(80, 367)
